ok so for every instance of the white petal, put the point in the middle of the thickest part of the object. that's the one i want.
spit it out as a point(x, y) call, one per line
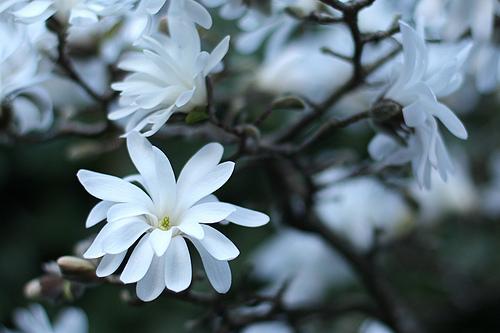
point(218, 245)
point(109, 264)
point(200, 164)
point(217, 54)
point(218, 272)
point(139, 262)
point(121, 234)
point(33, 9)
point(178, 271)
point(124, 210)
point(198, 13)
point(141, 153)
point(71, 320)
point(450, 120)
point(210, 212)
point(33, 320)
point(160, 240)
point(414, 114)
point(166, 181)
point(247, 217)
point(112, 188)
point(210, 183)
point(193, 229)
point(98, 213)
point(153, 283)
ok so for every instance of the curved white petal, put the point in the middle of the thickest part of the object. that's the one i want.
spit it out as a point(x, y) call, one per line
point(71, 320)
point(109, 264)
point(178, 272)
point(218, 245)
point(153, 283)
point(199, 189)
point(210, 212)
point(218, 272)
point(217, 55)
point(139, 262)
point(98, 213)
point(160, 240)
point(247, 217)
point(121, 234)
point(111, 188)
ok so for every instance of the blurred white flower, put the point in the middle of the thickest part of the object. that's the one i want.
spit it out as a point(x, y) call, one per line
point(361, 208)
point(84, 12)
point(277, 262)
point(457, 195)
point(161, 215)
point(450, 20)
point(373, 326)
point(416, 87)
point(168, 76)
point(303, 61)
point(30, 105)
point(26, 11)
point(35, 320)
point(268, 327)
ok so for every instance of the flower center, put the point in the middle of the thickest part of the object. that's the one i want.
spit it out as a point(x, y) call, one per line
point(164, 223)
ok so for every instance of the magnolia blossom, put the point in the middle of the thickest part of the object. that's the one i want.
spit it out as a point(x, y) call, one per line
point(362, 208)
point(162, 213)
point(450, 20)
point(26, 11)
point(20, 78)
point(374, 326)
point(416, 87)
point(168, 76)
point(35, 320)
point(276, 262)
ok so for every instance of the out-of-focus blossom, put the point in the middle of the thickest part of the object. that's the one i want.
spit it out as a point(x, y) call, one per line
point(168, 76)
point(35, 320)
point(373, 326)
point(303, 61)
point(416, 87)
point(161, 214)
point(268, 327)
point(361, 208)
point(458, 195)
point(20, 78)
point(277, 262)
point(451, 20)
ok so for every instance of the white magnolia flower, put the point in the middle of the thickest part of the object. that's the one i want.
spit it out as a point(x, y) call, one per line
point(161, 213)
point(450, 20)
point(458, 195)
point(35, 320)
point(26, 11)
point(268, 327)
point(360, 208)
point(84, 12)
point(168, 76)
point(373, 326)
point(416, 87)
point(278, 263)
point(20, 78)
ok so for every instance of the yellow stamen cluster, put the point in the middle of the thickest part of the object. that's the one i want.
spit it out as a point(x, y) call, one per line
point(165, 223)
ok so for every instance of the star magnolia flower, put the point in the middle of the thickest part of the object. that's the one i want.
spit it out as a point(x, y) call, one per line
point(416, 88)
point(30, 105)
point(25, 11)
point(162, 215)
point(168, 76)
point(35, 319)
